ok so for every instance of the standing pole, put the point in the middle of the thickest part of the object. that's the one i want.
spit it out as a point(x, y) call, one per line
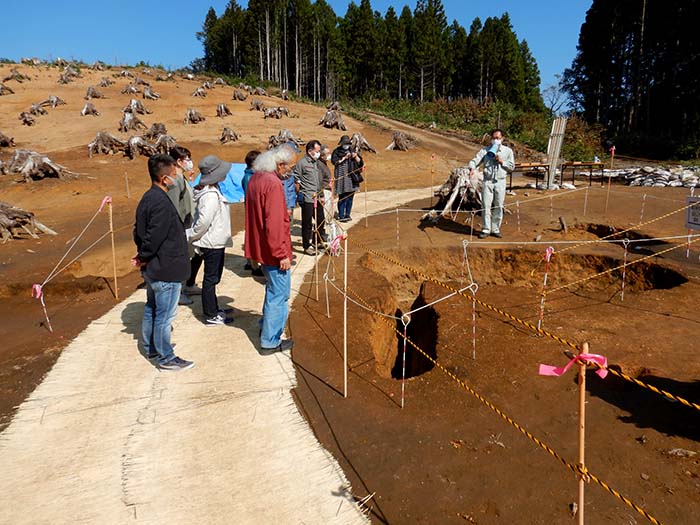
point(398, 242)
point(547, 257)
point(126, 181)
point(405, 319)
point(316, 234)
point(114, 253)
point(687, 250)
point(432, 177)
point(345, 317)
point(641, 213)
point(626, 243)
point(582, 434)
point(585, 201)
point(517, 208)
point(612, 161)
point(366, 216)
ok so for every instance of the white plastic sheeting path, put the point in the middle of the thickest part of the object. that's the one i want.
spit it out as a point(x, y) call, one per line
point(106, 438)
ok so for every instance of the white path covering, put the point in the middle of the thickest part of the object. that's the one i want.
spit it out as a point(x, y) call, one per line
point(106, 438)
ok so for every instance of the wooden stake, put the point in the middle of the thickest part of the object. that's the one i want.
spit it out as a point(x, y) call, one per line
point(432, 177)
point(126, 180)
point(612, 161)
point(345, 318)
point(316, 234)
point(114, 253)
point(582, 433)
point(366, 216)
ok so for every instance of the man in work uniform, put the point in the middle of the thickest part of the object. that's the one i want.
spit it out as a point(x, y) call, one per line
point(497, 160)
point(308, 182)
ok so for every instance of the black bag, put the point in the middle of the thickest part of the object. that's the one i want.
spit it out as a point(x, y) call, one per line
point(356, 177)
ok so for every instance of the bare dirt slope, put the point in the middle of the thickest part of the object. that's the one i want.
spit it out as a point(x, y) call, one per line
point(82, 293)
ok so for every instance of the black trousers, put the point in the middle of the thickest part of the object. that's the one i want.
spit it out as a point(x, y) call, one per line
point(195, 265)
point(213, 268)
point(308, 217)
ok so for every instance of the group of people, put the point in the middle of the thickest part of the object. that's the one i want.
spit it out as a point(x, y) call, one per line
point(183, 222)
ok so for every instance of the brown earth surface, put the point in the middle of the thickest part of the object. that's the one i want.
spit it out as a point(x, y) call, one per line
point(444, 458)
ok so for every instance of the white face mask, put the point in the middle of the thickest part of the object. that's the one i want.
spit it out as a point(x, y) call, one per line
point(169, 182)
point(496, 142)
point(328, 157)
point(188, 165)
point(316, 155)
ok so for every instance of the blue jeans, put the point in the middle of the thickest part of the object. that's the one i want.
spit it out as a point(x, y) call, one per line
point(158, 316)
point(275, 307)
point(345, 205)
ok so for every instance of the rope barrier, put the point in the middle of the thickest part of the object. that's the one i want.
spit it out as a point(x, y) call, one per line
point(615, 234)
point(526, 324)
point(576, 469)
point(610, 270)
point(488, 306)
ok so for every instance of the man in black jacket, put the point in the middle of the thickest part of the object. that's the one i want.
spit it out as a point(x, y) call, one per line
point(162, 257)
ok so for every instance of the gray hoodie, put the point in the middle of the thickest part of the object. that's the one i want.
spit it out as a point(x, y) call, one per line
point(212, 220)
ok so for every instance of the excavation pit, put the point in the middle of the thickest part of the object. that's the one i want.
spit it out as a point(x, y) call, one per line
point(502, 268)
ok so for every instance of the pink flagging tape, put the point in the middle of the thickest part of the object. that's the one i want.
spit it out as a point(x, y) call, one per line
point(335, 245)
point(37, 293)
point(106, 200)
point(548, 370)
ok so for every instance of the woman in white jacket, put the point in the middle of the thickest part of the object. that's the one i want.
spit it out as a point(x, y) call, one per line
point(211, 233)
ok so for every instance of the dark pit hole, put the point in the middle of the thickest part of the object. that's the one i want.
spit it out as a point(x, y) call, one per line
point(423, 331)
point(603, 230)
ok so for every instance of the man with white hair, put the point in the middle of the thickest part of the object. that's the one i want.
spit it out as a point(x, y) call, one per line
point(268, 242)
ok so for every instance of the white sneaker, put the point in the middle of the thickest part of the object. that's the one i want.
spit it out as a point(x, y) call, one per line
point(192, 290)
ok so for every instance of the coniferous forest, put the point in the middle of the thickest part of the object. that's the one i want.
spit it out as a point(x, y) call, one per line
point(635, 80)
point(637, 73)
point(415, 55)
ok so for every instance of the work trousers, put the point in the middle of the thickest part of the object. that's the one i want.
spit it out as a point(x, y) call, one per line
point(311, 215)
point(493, 195)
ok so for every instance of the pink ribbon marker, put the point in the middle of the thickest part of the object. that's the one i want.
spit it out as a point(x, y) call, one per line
point(548, 370)
point(106, 200)
point(38, 293)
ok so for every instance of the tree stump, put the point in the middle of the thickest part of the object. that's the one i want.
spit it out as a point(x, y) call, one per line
point(401, 141)
point(89, 109)
point(333, 119)
point(149, 94)
point(239, 95)
point(228, 135)
point(106, 144)
point(359, 143)
point(192, 116)
point(222, 111)
point(156, 129)
point(33, 166)
point(130, 122)
point(6, 142)
point(93, 93)
point(14, 221)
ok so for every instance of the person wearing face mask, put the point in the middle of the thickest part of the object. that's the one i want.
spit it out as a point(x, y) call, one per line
point(211, 234)
point(183, 199)
point(348, 176)
point(162, 258)
point(497, 161)
point(308, 184)
point(326, 183)
point(268, 242)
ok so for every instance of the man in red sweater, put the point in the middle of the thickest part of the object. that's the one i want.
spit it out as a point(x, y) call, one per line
point(268, 242)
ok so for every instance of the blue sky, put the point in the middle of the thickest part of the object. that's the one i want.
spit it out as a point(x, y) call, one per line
point(163, 32)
